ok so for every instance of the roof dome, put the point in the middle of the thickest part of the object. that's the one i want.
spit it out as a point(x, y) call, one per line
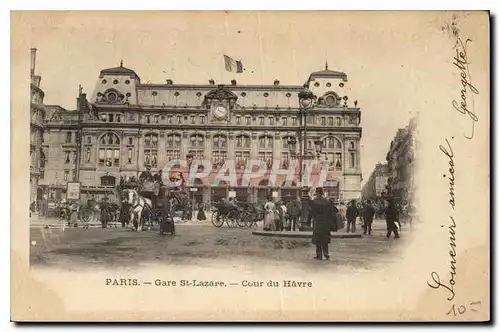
point(120, 71)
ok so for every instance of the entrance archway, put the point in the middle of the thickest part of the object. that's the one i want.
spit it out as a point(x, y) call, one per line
point(219, 192)
point(263, 191)
point(289, 192)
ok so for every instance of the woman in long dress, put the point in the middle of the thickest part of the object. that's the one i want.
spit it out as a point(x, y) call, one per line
point(269, 216)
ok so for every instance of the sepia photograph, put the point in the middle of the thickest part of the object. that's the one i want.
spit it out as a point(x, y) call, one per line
point(250, 166)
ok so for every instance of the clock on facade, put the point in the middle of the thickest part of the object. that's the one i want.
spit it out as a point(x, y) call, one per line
point(219, 111)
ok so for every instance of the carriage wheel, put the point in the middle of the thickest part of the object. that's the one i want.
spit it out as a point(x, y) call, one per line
point(217, 219)
point(243, 220)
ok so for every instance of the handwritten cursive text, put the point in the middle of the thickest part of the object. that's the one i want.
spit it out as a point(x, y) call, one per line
point(468, 89)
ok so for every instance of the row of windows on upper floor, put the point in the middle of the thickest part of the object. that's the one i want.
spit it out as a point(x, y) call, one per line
point(218, 141)
point(109, 157)
point(238, 120)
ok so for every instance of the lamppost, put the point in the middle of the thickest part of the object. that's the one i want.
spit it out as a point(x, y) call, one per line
point(306, 99)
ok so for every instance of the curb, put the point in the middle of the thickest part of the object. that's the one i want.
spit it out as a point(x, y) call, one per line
point(305, 235)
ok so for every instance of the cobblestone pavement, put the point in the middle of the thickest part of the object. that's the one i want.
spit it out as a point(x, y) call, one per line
point(200, 243)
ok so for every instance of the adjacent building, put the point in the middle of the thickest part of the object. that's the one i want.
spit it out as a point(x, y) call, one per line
point(376, 185)
point(401, 162)
point(129, 124)
point(37, 116)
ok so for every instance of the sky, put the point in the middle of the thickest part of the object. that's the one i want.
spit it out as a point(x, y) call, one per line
point(384, 55)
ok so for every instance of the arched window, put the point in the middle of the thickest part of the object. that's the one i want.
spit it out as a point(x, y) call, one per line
point(173, 147)
point(151, 149)
point(109, 150)
point(332, 150)
point(219, 149)
point(266, 149)
point(197, 146)
point(242, 152)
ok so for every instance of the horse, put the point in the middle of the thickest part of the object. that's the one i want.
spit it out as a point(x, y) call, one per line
point(140, 209)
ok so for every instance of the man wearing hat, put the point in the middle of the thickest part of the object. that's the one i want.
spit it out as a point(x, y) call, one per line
point(322, 211)
point(391, 217)
point(368, 213)
point(146, 175)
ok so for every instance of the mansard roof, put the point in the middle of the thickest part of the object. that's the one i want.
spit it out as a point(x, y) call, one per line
point(120, 71)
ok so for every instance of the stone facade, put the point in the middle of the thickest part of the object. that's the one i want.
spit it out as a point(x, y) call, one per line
point(37, 116)
point(376, 186)
point(401, 163)
point(136, 124)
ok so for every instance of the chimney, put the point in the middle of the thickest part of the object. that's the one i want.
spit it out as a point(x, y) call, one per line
point(33, 58)
point(170, 82)
point(276, 82)
point(233, 82)
point(212, 82)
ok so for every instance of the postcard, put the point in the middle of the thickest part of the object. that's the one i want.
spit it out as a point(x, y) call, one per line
point(253, 166)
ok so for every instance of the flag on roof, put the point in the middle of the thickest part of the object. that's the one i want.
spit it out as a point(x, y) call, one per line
point(233, 65)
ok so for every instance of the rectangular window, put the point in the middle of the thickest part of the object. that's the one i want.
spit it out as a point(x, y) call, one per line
point(193, 119)
point(262, 156)
point(147, 157)
point(283, 121)
point(69, 135)
point(238, 157)
point(42, 174)
point(169, 119)
point(294, 121)
point(73, 175)
point(323, 121)
point(261, 120)
point(352, 160)
point(118, 118)
point(102, 156)
point(154, 158)
point(89, 139)
point(129, 156)
point(87, 155)
point(351, 144)
point(271, 121)
point(202, 119)
point(156, 119)
point(179, 119)
point(309, 120)
point(248, 120)
point(215, 157)
point(330, 121)
point(339, 123)
point(246, 156)
point(66, 175)
point(67, 157)
point(338, 161)
point(238, 120)
point(111, 117)
point(130, 140)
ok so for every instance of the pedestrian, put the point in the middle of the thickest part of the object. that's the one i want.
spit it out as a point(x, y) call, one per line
point(104, 207)
point(351, 214)
point(283, 216)
point(321, 212)
point(270, 215)
point(201, 213)
point(334, 221)
point(293, 211)
point(391, 218)
point(368, 213)
point(125, 212)
point(305, 216)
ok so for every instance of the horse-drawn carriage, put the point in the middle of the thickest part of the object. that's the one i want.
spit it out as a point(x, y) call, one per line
point(150, 202)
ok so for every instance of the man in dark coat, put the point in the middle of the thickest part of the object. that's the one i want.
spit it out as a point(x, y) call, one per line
point(391, 218)
point(146, 175)
point(321, 212)
point(293, 211)
point(351, 214)
point(334, 222)
point(368, 213)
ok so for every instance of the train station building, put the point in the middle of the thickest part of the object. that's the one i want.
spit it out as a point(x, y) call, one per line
point(128, 124)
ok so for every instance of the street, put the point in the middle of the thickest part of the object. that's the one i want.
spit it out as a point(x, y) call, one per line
point(200, 243)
